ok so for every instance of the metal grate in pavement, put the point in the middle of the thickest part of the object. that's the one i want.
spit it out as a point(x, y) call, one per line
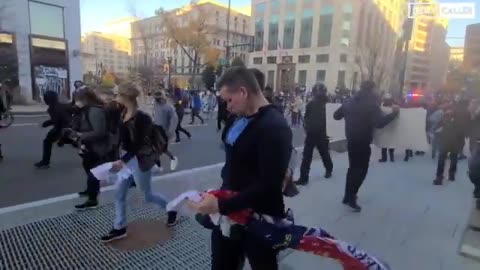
point(72, 242)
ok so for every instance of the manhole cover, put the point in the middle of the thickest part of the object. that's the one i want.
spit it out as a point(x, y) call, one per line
point(143, 234)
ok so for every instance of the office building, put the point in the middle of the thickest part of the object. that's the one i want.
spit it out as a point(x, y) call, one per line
point(338, 42)
point(40, 46)
point(456, 54)
point(472, 48)
point(150, 46)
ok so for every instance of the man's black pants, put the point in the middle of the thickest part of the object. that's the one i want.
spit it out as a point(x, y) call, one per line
point(180, 128)
point(359, 160)
point(228, 254)
point(314, 141)
point(441, 164)
point(52, 136)
point(90, 161)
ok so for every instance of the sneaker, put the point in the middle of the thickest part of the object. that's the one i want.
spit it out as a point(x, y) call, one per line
point(177, 140)
point(114, 234)
point(42, 165)
point(174, 163)
point(328, 174)
point(88, 205)
point(382, 160)
point(354, 206)
point(438, 181)
point(83, 193)
point(301, 182)
point(451, 178)
point(172, 218)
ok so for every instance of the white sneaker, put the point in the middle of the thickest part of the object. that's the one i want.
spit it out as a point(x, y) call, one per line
point(174, 163)
point(157, 169)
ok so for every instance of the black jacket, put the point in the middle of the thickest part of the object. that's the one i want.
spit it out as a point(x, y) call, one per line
point(60, 113)
point(362, 115)
point(315, 119)
point(255, 165)
point(455, 128)
point(133, 137)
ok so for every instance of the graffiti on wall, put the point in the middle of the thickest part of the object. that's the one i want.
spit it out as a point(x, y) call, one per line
point(51, 79)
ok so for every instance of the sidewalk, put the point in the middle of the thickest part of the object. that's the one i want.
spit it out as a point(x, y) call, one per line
point(405, 221)
point(34, 109)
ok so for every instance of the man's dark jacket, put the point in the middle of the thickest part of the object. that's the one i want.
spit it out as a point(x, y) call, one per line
point(315, 118)
point(362, 115)
point(255, 165)
point(60, 113)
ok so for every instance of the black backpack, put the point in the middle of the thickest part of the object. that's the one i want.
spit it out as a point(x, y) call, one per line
point(113, 120)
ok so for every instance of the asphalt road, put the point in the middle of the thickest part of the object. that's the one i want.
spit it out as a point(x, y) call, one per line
point(20, 182)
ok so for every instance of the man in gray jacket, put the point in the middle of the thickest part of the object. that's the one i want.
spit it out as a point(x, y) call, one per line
point(165, 119)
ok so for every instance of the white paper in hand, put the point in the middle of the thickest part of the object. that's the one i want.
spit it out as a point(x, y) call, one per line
point(103, 173)
point(191, 195)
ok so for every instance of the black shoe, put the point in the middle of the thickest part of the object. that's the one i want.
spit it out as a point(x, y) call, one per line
point(478, 204)
point(114, 235)
point(406, 159)
point(355, 207)
point(172, 218)
point(88, 205)
point(328, 174)
point(451, 178)
point(301, 182)
point(438, 181)
point(83, 193)
point(42, 165)
point(382, 160)
point(476, 193)
point(177, 140)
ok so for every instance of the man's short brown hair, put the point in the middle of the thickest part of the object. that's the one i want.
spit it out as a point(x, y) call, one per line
point(259, 76)
point(239, 76)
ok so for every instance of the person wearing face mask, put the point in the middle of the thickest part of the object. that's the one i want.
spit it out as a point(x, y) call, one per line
point(165, 120)
point(60, 118)
point(138, 137)
point(93, 141)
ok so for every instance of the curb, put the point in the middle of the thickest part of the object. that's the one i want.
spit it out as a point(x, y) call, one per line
point(470, 242)
point(35, 113)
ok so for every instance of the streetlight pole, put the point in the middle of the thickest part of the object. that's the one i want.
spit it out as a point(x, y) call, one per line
point(227, 49)
point(169, 61)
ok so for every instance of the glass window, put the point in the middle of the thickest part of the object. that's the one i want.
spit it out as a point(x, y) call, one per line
point(291, 2)
point(348, 8)
point(271, 60)
point(321, 74)
point(289, 31)
point(306, 29)
point(347, 25)
point(260, 8)
point(325, 30)
point(259, 32)
point(6, 38)
point(302, 77)
point(270, 77)
point(343, 58)
point(46, 20)
point(322, 58)
point(47, 43)
point(341, 78)
point(304, 59)
point(327, 10)
point(257, 60)
point(273, 33)
point(275, 4)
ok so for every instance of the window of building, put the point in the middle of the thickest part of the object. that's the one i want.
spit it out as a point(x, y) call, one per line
point(275, 4)
point(343, 58)
point(321, 75)
point(306, 29)
point(325, 30)
point(341, 78)
point(304, 59)
point(322, 58)
point(244, 26)
point(270, 78)
point(257, 60)
point(259, 34)
point(302, 77)
point(260, 8)
point(289, 30)
point(46, 20)
point(273, 33)
point(291, 2)
point(271, 60)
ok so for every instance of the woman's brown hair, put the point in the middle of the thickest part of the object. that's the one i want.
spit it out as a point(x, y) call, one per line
point(89, 97)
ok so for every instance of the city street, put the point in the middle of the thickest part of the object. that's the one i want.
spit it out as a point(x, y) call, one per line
point(22, 147)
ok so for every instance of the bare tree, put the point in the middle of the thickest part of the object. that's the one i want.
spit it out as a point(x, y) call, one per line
point(373, 64)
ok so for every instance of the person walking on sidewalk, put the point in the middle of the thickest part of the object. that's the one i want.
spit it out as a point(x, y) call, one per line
point(136, 133)
point(362, 115)
point(387, 102)
point(93, 141)
point(258, 147)
point(60, 118)
point(180, 101)
point(196, 107)
point(316, 134)
point(165, 120)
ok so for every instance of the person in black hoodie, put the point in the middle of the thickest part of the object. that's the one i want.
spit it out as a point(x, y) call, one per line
point(258, 147)
point(362, 115)
point(93, 141)
point(316, 131)
point(60, 118)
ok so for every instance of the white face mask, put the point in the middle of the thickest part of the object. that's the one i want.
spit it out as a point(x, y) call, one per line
point(79, 104)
